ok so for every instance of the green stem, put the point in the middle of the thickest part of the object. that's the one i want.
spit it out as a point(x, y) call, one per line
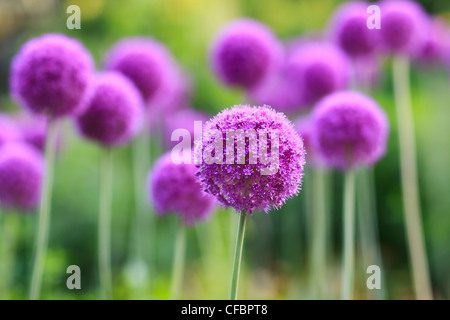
point(43, 226)
point(318, 260)
point(368, 225)
point(104, 225)
point(238, 256)
point(409, 180)
point(348, 265)
point(178, 263)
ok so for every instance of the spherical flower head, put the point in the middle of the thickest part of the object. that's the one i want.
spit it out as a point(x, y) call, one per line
point(9, 131)
point(184, 119)
point(113, 115)
point(349, 30)
point(244, 53)
point(50, 75)
point(350, 130)
point(404, 26)
point(143, 60)
point(21, 173)
point(175, 188)
point(433, 49)
point(317, 69)
point(250, 158)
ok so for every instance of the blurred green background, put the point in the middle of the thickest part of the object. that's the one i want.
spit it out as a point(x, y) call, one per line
point(276, 255)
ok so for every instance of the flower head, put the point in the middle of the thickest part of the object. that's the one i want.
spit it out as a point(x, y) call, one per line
point(113, 114)
point(317, 69)
point(434, 47)
point(175, 188)
point(50, 75)
point(146, 62)
point(404, 26)
point(350, 130)
point(349, 30)
point(8, 130)
point(244, 53)
point(21, 172)
point(251, 158)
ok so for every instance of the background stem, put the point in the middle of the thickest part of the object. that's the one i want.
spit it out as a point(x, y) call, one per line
point(178, 263)
point(104, 225)
point(348, 266)
point(409, 180)
point(43, 226)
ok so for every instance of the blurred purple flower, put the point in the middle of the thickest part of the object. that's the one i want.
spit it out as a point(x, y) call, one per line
point(175, 188)
point(404, 26)
point(244, 53)
point(146, 62)
point(316, 69)
point(437, 41)
point(350, 130)
point(113, 115)
point(50, 75)
point(9, 130)
point(243, 186)
point(21, 173)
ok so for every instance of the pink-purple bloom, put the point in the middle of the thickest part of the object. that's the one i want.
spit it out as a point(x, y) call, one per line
point(9, 131)
point(113, 115)
point(246, 186)
point(144, 61)
point(244, 53)
point(349, 30)
point(174, 188)
point(21, 173)
point(316, 69)
point(404, 26)
point(349, 130)
point(50, 75)
point(434, 48)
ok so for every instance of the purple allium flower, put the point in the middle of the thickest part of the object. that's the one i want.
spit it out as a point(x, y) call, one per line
point(317, 69)
point(404, 26)
point(273, 177)
point(9, 131)
point(21, 173)
point(175, 188)
point(143, 60)
point(350, 130)
point(437, 40)
point(113, 115)
point(304, 127)
point(349, 30)
point(244, 53)
point(50, 75)
point(183, 119)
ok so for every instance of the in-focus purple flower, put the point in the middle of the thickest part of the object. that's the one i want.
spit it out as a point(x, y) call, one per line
point(21, 173)
point(113, 115)
point(244, 53)
point(9, 130)
point(174, 188)
point(350, 130)
point(183, 119)
point(349, 30)
point(50, 75)
point(144, 61)
point(317, 69)
point(433, 50)
point(273, 177)
point(404, 26)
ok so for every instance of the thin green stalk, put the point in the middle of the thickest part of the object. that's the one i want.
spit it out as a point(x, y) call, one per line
point(104, 225)
point(319, 235)
point(238, 256)
point(368, 226)
point(409, 180)
point(348, 263)
point(178, 263)
point(43, 226)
